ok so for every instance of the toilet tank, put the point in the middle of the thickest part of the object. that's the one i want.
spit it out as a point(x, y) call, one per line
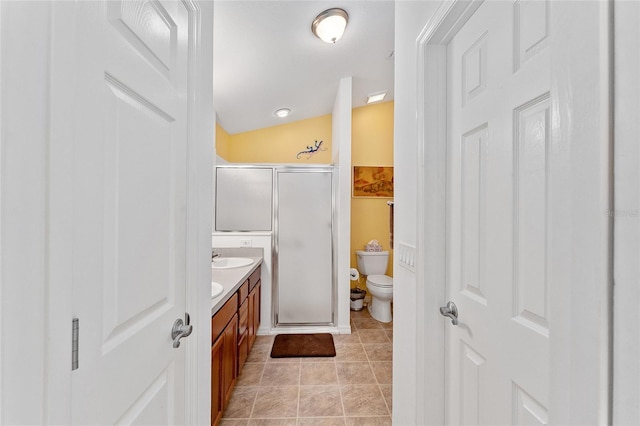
point(372, 262)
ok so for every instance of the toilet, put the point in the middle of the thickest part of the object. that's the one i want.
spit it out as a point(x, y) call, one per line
point(373, 264)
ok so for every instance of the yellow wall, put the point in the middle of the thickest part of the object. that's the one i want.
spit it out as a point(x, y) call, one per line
point(222, 142)
point(371, 145)
point(281, 144)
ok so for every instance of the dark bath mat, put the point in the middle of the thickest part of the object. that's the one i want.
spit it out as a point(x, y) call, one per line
point(303, 345)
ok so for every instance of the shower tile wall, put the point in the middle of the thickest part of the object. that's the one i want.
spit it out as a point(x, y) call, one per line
point(354, 388)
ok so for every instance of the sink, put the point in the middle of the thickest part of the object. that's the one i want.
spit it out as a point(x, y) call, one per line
point(230, 262)
point(216, 289)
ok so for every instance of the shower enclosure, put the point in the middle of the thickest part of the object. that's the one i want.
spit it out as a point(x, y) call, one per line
point(303, 247)
point(297, 205)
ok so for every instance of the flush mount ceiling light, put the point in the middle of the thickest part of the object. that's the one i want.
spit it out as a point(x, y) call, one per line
point(282, 112)
point(330, 24)
point(376, 97)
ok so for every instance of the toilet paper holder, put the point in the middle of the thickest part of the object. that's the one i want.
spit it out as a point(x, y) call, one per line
point(354, 274)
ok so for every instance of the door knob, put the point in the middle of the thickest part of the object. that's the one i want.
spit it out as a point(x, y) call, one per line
point(181, 329)
point(450, 311)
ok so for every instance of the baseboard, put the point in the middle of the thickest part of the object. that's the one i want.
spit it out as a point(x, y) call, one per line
point(305, 329)
point(345, 329)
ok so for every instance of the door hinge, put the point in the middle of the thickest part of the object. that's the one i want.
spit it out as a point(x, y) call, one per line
point(75, 335)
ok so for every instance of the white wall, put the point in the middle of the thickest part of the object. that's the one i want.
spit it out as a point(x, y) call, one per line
point(410, 18)
point(341, 155)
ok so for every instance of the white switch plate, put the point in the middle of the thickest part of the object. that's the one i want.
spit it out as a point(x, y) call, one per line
point(407, 256)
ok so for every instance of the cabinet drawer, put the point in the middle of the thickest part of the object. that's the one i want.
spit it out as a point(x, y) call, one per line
point(243, 320)
point(254, 278)
point(223, 316)
point(243, 292)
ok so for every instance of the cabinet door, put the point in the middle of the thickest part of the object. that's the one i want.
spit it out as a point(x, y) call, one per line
point(243, 333)
point(230, 357)
point(243, 317)
point(254, 313)
point(243, 350)
point(217, 401)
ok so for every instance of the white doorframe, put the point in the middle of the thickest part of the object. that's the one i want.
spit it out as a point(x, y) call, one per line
point(626, 352)
point(580, 302)
point(24, 130)
point(201, 155)
point(431, 185)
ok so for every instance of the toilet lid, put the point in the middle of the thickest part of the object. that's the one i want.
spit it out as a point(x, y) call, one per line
point(380, 280)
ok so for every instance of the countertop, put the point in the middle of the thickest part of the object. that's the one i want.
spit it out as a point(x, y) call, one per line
point(231, 279)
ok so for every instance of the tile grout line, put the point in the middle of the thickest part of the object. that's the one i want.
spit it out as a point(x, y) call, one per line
point(369, 362)
point(264, 367)
point(377, 380)
point(255, 398)
point(344, 412)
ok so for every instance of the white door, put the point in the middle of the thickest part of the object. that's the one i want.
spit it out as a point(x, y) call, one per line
point(498, 97)
point(130, 221)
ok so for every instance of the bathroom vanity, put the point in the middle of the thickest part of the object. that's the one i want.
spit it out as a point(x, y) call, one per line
point(235, 317)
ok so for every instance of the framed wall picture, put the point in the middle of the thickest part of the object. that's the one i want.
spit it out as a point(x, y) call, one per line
point(373, 181)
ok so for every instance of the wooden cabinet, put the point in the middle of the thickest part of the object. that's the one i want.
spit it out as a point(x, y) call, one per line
point(230, 358)
point(224, 358)
point(233, 331)
point(217, 397)
point(254, 306)
point(254, 314)
point(223, 368)
point(243, 333)
point(223, 316)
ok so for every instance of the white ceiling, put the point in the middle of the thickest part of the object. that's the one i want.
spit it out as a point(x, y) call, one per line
point(266, 58)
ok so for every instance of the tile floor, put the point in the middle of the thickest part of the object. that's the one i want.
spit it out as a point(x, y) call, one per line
point(353, 388)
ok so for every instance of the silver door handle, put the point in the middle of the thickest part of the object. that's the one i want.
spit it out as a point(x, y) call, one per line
point(450, 311)
point(181, 329)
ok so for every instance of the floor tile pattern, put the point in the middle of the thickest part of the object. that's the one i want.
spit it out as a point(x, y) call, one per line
point(353, 388)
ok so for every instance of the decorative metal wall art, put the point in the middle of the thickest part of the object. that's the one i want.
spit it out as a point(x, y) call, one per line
point(311, 150)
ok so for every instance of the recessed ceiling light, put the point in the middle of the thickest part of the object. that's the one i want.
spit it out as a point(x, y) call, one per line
point(282, 112)
point(330, 25)
point(376, 97)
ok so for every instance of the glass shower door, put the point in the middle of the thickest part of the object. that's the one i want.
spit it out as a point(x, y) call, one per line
point(304, 222)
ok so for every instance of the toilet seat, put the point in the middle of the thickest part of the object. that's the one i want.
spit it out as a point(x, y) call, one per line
point(382, 281)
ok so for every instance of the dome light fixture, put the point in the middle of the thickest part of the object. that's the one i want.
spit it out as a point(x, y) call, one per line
point(330, 25)
point(282, 112)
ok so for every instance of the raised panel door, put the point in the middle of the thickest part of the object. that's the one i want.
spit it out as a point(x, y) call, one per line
point(498, 109)
point(129, 221)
